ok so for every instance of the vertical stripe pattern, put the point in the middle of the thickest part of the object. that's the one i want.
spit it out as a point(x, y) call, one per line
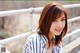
point(36, 44)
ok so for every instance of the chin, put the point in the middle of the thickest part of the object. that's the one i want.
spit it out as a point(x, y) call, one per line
point(58, 34)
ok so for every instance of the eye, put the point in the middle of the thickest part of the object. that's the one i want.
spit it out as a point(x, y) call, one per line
point(63, 19)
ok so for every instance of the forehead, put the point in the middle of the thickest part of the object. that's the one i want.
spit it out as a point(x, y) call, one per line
point(60, 15)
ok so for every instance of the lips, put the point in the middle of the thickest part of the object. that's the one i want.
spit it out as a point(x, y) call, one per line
point(58, 30)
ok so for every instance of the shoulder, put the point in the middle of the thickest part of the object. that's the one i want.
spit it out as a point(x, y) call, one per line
point(59, 47)
point(33, 37)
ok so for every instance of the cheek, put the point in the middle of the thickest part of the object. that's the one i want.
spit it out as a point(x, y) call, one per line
point(53, 25)
point(63, 24)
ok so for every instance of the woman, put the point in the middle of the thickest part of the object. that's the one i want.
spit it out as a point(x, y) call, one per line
point(52, 28)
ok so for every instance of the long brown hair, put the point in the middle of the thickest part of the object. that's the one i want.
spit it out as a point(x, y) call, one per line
point(50, 12)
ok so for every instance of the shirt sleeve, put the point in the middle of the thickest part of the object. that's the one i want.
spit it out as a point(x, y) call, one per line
point(26, 48)
point(32, 45)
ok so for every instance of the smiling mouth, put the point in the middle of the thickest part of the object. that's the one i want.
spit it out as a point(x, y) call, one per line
point(58, 30)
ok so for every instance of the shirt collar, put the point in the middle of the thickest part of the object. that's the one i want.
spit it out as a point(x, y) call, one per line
point(44, 38)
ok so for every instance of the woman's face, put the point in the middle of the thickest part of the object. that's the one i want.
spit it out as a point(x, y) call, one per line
point(57, 25)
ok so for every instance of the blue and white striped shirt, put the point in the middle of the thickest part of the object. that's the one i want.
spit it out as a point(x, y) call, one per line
point(37, 44)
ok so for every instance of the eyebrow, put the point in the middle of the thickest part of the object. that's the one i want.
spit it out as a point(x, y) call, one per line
point(63, 17)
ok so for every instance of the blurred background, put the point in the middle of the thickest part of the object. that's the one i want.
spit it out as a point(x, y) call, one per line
point(13, 25)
